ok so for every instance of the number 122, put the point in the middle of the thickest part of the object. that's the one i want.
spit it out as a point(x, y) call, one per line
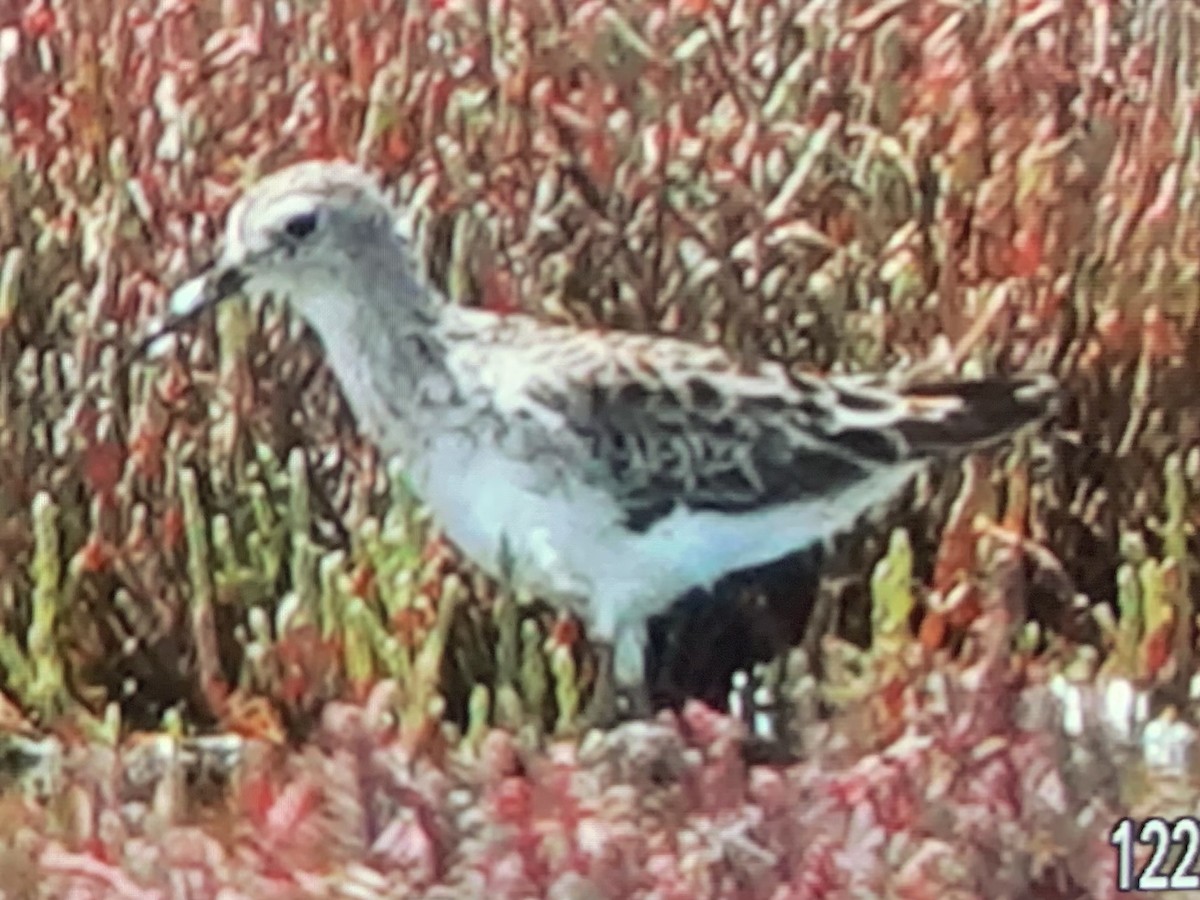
point(1162, 836)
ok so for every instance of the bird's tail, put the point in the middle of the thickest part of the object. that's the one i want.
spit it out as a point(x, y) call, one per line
point(965, 415)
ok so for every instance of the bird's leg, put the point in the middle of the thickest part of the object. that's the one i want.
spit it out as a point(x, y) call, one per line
point(629, 672)
point(603, 709)
point(620, 690)
point(633, 700)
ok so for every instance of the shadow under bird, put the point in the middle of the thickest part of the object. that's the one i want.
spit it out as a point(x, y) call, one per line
point(605, 472)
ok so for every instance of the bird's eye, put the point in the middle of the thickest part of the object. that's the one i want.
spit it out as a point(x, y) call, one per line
point(301, 225)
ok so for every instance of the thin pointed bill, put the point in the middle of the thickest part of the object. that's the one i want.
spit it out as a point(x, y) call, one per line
point(186, 304)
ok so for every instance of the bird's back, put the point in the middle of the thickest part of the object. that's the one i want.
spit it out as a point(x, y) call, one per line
point(660, 422)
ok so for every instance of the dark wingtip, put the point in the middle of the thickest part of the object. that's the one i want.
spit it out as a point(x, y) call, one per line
point(987, 412)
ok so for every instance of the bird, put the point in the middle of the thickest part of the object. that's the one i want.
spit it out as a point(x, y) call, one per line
point(606, 472)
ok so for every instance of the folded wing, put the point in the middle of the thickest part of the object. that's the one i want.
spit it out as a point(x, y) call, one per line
point(661, 422)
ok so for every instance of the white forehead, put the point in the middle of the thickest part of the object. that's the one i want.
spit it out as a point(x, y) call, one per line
point(294, 190)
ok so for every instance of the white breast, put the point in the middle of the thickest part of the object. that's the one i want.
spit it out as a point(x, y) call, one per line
point(550, 527)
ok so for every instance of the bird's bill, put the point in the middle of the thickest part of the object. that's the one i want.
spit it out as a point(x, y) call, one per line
point(186, 304)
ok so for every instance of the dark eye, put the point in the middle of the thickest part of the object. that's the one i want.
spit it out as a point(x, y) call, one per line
point(301, 226)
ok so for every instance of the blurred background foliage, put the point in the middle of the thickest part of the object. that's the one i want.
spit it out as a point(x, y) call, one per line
point(840, 186)
point(893, 187)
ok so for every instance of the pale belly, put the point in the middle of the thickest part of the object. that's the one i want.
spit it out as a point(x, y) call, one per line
point(551, 532)
point(566, 542)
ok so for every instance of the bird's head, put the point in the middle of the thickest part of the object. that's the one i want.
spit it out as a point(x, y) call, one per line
point(319, 235)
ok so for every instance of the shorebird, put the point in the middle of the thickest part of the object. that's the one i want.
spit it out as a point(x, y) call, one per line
point(606, 472)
